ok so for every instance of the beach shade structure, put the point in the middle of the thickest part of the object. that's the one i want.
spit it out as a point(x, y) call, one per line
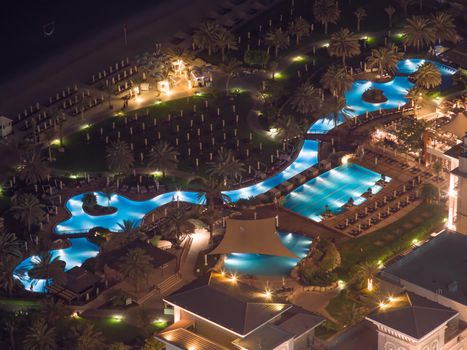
point(252, 237)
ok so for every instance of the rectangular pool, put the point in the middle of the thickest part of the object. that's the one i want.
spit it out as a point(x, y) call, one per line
point(332, 190)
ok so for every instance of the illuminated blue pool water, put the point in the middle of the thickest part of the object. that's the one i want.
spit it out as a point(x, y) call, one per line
point(307, 157)
point(80, 251)
point(333, 188)
point(128, 209)
point(269, 265)
point(395, 91)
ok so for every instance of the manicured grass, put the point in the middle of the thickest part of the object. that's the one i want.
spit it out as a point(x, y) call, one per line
point(114, 330)
point(392, 239)
point(80, 155)
point(9, 304)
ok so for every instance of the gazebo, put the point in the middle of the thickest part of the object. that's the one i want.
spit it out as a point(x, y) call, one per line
point(6, 126)
point(252, 237)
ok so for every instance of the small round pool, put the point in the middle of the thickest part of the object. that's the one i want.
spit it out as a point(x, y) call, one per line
point(269, 265)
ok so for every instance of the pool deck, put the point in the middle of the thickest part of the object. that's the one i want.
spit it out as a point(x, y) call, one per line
point(399, 177)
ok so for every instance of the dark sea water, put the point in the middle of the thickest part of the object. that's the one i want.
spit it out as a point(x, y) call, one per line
point(23, 23)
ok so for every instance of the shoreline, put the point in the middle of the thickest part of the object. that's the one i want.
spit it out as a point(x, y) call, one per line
point(75, 64)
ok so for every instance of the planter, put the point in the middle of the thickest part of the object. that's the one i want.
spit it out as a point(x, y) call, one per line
point(374, 96)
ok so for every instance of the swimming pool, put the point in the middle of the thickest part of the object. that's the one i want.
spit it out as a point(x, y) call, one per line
point(269, 265)
point(395, 91)
point(307, 157)
point(81, 249)
point(332, 189)
point(128, 209)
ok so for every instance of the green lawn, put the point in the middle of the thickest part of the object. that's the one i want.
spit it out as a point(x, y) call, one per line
point(12, 305)
point(392, 239)
point(81, 156)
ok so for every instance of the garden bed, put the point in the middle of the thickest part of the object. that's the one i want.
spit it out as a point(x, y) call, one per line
point(374, 96)
point(99, 210)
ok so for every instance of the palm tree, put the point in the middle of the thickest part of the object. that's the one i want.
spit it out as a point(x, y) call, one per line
point(277, 39)
point(225, 40)
point(325, 12)
point(9, 245)
point(404, 4)
point(416, 95)
point(418, 32)
point(45, 266)
point(128, 230)
point(360, 13)
point(337, 80)
point(8, 282)
point(136, 266)
point(89, 200)
point(427, 76)
point(163, 157)
point(344, 44)
point(225, 166)
point(230, 69)
point(176, 53)
point(300, 28)
point(390, 10)
point(288, 128)
point(107, 192)
point(40, 336)
point(85, 337)
point(205, 36)
point(34, 170)
point(367, 271)
point(333, 106)
point(119, 157)
point(211, 189)
point(179, 225)
point(306, 99)
point(27, 209)
point(444, 27)
point(384, 58)
point(53, 311)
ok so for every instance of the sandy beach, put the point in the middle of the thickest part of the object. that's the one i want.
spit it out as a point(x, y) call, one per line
point(78, 63)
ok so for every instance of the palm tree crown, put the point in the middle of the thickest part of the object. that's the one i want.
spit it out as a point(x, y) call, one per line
point(344, 44)
point(205, 36)
point(428, 76)
point(418, 32)
point(34, 170)
point(337, 80)
point(163, 157)
point(444, 27)
point(119, 157)
point(27, 209)
point(306, 99)
point(277, 39)
point(136, 265)
point(226, 166)
point(223, 40)
point(288, 128)
point(384, 58)
point(326, 11)
point(299, 27)
point(40, 336)
point(87, 338)
point(9, 245)
point(179, 225)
